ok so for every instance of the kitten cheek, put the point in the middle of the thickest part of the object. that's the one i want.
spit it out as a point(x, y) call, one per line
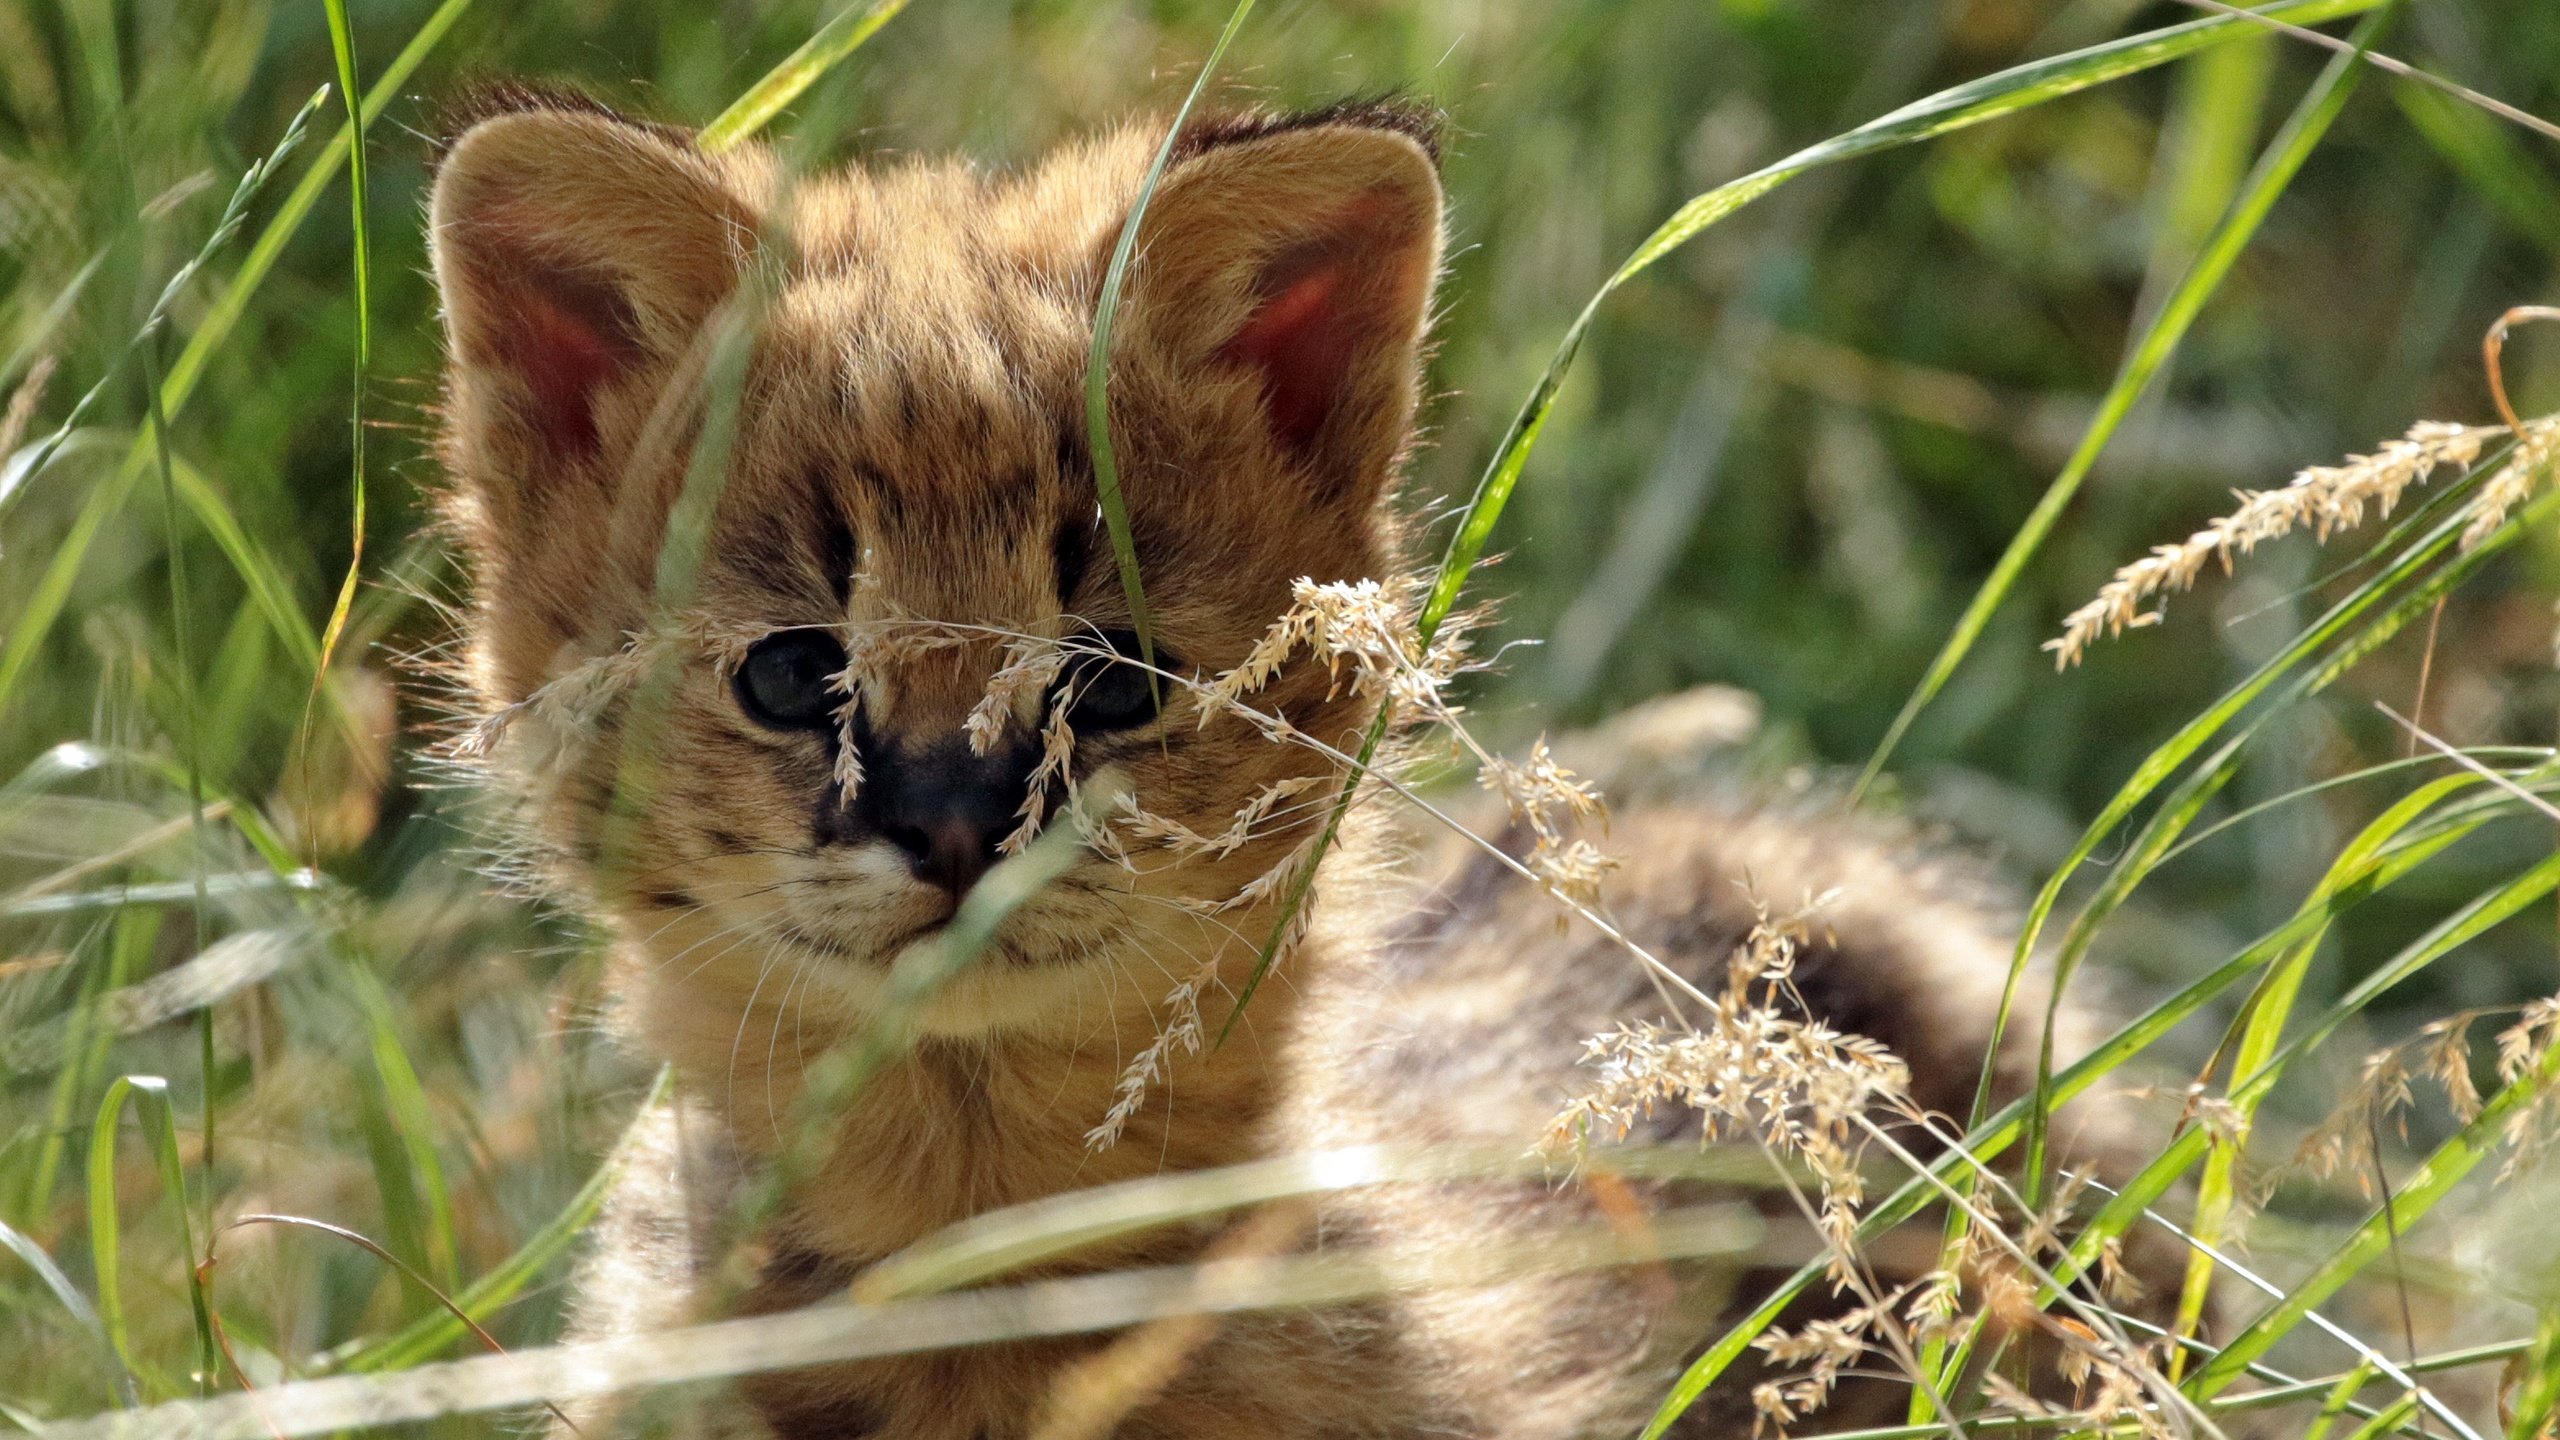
point(723, 878)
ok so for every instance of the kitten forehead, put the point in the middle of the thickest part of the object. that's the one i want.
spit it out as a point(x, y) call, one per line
point(924, 358)
point(933, 391)
point(894, 427)
point(1043, 230)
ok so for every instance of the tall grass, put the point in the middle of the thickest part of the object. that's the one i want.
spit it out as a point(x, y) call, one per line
point(2060, 276)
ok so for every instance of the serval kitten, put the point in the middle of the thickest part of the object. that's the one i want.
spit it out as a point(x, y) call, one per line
point(763, 819)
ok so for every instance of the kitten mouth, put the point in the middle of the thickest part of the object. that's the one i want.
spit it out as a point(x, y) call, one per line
point(880, 953)
point(1013, 947)
point(873, 953)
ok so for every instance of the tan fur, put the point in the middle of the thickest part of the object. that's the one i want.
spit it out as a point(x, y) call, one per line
point(912, 410)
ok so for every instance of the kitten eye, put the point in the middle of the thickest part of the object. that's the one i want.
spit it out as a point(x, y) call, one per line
point(1117, 694)
point(787, 681)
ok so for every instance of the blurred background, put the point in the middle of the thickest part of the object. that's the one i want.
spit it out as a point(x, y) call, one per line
point(1786, 460)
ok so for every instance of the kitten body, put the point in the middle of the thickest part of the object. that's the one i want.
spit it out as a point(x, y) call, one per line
point(908, 455)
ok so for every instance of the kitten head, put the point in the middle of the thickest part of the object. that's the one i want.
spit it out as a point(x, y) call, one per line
point(856, 402)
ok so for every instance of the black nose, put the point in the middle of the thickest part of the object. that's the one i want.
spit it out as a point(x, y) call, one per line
point(946, 807)
point(952, 853)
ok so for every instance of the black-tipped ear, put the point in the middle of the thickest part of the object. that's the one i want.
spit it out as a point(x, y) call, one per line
point(1298, 252)
point(575, 252)
point(1416, 122)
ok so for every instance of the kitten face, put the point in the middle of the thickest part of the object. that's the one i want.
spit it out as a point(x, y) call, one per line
point(907, 480)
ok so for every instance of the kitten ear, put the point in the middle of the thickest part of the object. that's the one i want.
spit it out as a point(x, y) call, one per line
point(1298, 253)
point(577, 254)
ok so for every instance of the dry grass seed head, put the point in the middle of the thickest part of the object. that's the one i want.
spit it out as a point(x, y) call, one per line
point(2447, 1061)
point(2323, 498)
point(1186, 843)
point(2523, 1048)
point(1179, 1031)
point(572, 704)
point(2528, 469)
point(1543, 795)
point(1753, 1072)
point(1821, 1351)
point(1365, 625)
point(2440, 1052)
point(1032, 665)
point(1057, 752)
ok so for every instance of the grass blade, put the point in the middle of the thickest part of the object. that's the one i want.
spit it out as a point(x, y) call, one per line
point(2264, 1017)
point(2143, 856)
point(2376, 868)
point(45, 604)
point(190, 749)
point(342, 47)
point(159, 1123)
point(235, 213)
point(371, 1247)
point(2537, 1402)
point(1097, 367)
point(2492, 162)
point(405, 1100)
point(1990, 1138)
point(269, 591)
point(802, 68)
point(2483, 753)
point(2154, 771)
point(2005, 93)
point(82, 1312)
point(2389, 1420)
point(2417, 1193)
point(426, 1337)
point(1020, 1236)
point(2389, 848)
point(2207, 145)
point(2337, 1401)
point(2465, 925)
point(818, 1334)
point(2166, 759)
point(2159, 340)
point(915, 977)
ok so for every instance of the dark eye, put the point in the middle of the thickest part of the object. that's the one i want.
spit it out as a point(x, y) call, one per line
point(788, 680)
point(1116, 693)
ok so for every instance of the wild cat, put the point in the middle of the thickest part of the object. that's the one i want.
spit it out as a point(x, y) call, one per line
point(781, 810)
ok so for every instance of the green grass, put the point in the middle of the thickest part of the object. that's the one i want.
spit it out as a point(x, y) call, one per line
point(207, 580)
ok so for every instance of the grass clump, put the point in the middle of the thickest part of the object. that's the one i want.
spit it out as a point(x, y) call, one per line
point(198, 714)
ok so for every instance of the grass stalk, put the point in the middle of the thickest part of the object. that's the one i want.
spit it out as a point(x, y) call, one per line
point(1992, 97)
point(1097, 369)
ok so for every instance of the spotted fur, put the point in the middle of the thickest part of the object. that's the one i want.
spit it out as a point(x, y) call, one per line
point(910, 441)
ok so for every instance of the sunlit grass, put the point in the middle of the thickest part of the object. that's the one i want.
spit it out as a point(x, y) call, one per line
point(196, 719)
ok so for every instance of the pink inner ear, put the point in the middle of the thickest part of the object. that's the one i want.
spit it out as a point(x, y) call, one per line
point(566, 336)
point(1302, 341)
